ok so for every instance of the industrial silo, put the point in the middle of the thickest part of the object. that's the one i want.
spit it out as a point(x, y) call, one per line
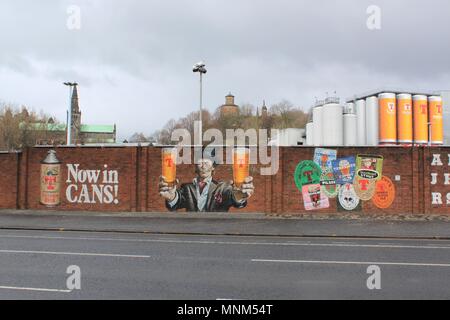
point(360, 106)
point(404, 119)
point(420, 114)
point(310, 134)
point(387, 118)
point(372, 121)
point(332, 125)
point(350, 125)
point(317, 125)
point(435, 118)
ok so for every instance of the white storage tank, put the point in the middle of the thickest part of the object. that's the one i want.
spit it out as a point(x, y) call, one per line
point(350, 108)
point(309, 134)
point(350, 129)
point(372, 121)
point(360, 106)
point(317, 125)
point(332, 125)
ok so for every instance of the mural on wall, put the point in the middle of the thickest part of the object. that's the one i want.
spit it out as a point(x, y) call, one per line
point(92, 185)
point(440, 162)
point(314, 197)
point(83, 186)
point(50, 180)
point(384, 193)
point(324, 157)
point(348, 199)
point(344, 170)
point(369, 169)
point(350, 179)
point(204, 193)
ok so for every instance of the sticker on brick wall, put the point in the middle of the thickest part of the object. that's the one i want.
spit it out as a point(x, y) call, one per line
point(348, 200)
point(369, 166)
point(364, 188)
point(384, 193)
point(328, 183)
point(344, 170)
point(307, 172)
point(324, 157)
point(314, 198)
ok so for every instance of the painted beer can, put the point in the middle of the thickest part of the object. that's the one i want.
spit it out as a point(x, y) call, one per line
point(50, 180)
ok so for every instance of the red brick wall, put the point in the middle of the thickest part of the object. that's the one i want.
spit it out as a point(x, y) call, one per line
point(397, 161)
point(139, 169)
point(8, 179)
point(121, 159)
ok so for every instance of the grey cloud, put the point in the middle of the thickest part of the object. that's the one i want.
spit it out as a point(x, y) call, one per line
point(262, 49)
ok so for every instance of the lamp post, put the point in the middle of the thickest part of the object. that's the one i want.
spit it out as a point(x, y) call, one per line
point(69, 115)
point(200, 68)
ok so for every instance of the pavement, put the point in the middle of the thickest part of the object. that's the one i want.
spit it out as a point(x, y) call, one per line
point(222, 224)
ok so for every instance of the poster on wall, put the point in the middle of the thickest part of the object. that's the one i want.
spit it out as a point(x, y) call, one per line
point(384, 193)
point(324, 157)
point(364, 188)
point(369, 167)
point(348, 200)
point(314, 198)
point(344, 170)
point(328, 183)
point(307, 172)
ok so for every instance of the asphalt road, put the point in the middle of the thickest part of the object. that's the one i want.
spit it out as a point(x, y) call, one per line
point(33, 265)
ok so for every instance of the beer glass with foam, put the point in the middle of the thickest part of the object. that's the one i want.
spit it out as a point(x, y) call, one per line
point(241, 165)
point(169, 165)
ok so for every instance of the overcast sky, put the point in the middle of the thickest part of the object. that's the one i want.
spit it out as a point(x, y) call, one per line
point(133, 58)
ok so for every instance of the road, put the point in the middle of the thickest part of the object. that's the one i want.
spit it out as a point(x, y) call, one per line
point(33, 265)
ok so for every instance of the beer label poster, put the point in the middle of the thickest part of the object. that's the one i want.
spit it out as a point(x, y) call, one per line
point(344, 170)
point(369, 167)
point(324, 157)
point(314, 198)
point(83, 185)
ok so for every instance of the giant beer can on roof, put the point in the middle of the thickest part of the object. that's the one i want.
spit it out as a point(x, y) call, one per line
point(435, 118)
point(387, 118)
point(420, 111)
point(404, 118)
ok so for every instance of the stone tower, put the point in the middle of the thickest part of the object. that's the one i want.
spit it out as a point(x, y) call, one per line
point(229, 108)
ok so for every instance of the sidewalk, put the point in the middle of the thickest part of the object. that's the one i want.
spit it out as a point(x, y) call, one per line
point(220, 224)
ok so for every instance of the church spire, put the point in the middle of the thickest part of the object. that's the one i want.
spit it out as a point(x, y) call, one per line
point(74, 104)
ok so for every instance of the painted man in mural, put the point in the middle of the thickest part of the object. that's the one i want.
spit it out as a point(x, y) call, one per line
point(204, 193)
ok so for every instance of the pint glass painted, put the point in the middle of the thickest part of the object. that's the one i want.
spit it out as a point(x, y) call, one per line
point(241, 165)
point(169, 166)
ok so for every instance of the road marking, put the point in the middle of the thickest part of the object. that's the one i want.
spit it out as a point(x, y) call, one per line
point(349, 245)
point(75, 254)
point(357, 263)
point(35, 289)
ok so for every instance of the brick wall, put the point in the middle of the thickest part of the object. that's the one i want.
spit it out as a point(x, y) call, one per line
point(139, 168)
point(9, 184)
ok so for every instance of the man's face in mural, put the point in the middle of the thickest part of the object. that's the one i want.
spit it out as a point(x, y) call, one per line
point(204, 169)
